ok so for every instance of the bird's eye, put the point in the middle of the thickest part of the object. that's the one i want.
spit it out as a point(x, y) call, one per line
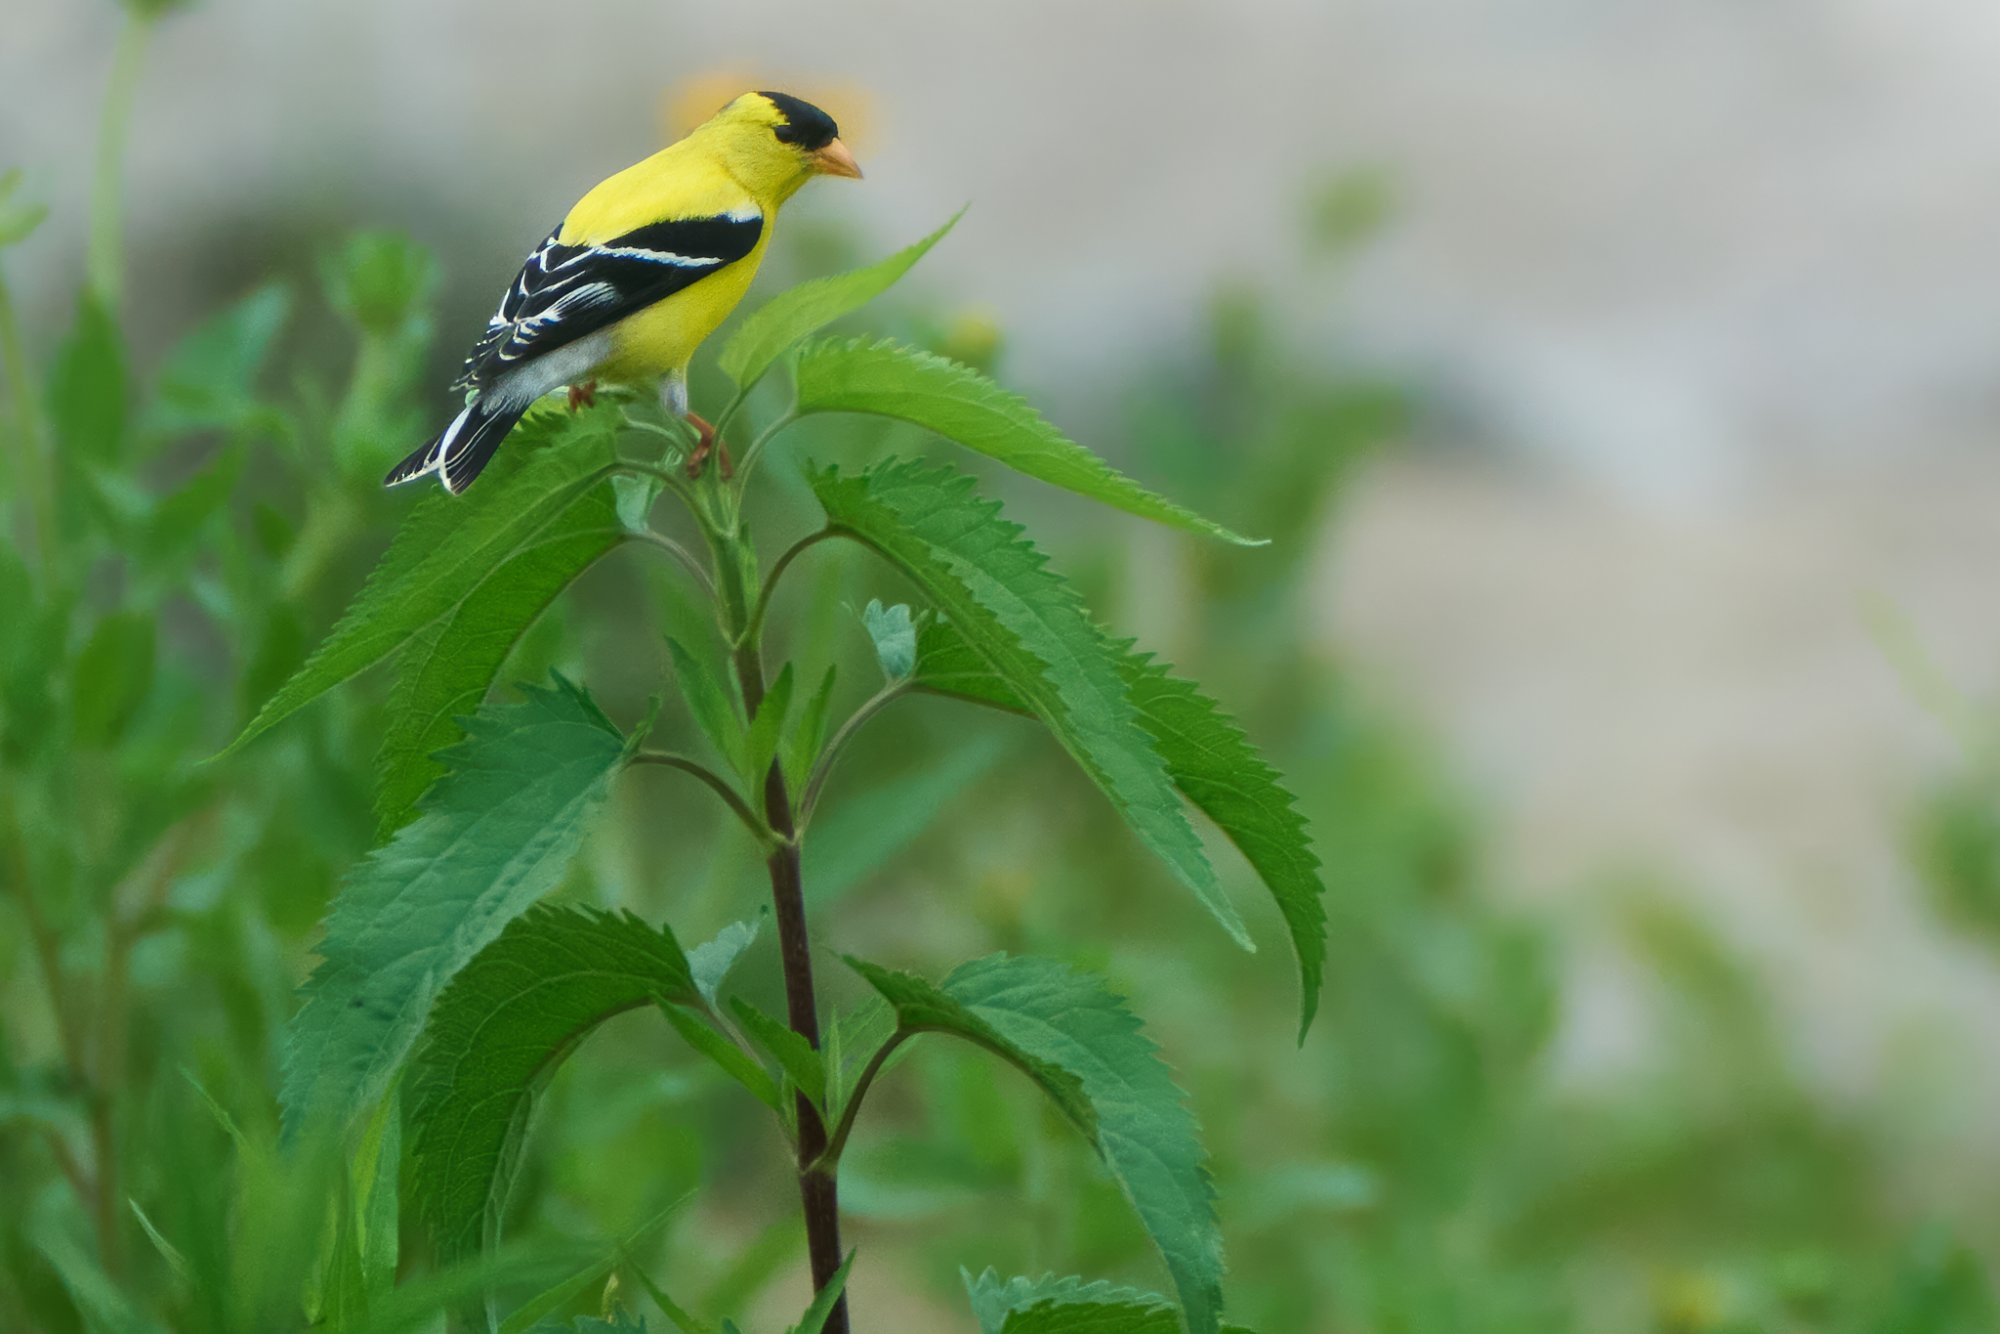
point(786, 133)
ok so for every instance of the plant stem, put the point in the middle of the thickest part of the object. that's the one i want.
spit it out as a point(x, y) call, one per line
point(105, 260)
point(792, 553)
point(667, 759)
point(818, 1192)
point(831, 1158)
point(877, 702)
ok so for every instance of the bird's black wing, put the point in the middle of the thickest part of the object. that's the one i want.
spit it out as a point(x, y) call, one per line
point(567, 292)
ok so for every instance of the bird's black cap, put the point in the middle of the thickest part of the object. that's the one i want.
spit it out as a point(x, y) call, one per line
point(805, 124)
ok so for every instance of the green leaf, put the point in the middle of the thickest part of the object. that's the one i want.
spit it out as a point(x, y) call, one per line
point(761, 743)
point(683, 1321)
point(889, 380)
point(363, 1264)
point(635, 499)
point(804, 310)
point(114, 670)
point(381, 281)
point(1092, 1318)
point(179, 518)
point(697, 1031)
point(993, 1300)
point(447, 667)
point(823, 1302)
point(716, 709)
point(794, 1055)
point(801, 746)
point(894, 634)
point(497, 1034)
point(922, 1007)
point(377, 1168)
point(560, 1294)
point(1210, 761)
point(87, 389)
point(449, 546)
point(1147, 1136)
point(711, 960)
point(1032, 631)
point(497, 833)
point(209, 379)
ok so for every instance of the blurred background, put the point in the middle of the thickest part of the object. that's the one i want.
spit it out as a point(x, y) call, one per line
point(1618, 383)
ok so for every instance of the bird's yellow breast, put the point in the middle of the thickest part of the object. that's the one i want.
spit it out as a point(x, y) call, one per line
point(686, 180)
point(663, 337)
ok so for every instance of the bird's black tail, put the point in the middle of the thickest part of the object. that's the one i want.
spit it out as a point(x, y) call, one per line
point(461, 451)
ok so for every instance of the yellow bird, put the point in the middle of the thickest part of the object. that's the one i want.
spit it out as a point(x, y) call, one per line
point(641, 271)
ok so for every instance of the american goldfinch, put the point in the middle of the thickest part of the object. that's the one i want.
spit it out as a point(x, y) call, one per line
point(644, 268)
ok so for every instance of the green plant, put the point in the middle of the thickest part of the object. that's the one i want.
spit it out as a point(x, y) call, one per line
point(439, 958)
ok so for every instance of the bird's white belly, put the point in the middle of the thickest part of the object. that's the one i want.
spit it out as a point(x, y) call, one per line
point(549, 372)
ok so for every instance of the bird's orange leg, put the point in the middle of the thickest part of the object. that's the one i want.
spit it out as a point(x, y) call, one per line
point(583, 395)
point(706, 444)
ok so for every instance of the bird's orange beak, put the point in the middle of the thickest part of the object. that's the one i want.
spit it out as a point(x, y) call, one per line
point(836, 160)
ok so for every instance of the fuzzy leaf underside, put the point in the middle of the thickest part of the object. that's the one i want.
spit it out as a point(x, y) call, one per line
point(802, 311)
point(447, 668)
point(497, 1033)
point(1210, 761)
point(921, 1006)
point(1033, 633)
point(888, 379)
point(1146, 1134)
point(496, 834)
point(448, 547)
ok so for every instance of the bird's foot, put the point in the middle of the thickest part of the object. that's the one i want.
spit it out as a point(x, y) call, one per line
point(706, 444)
point(583, 395)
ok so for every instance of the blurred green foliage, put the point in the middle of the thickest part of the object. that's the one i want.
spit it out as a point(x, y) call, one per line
point(184, 526)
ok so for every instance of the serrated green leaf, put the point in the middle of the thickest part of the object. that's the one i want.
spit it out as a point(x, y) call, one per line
point(699, 1033)
point(448, 666)
point(448, 548)
point(1210, 761)
point(1092, 1318)
point(500, 1030)
point(87, 390)
point(716, 708)
point(993, 1299)
point(113, 672)
point(1032, 631)
point(887, 379)
point(1146, 1134)
point(823, 1302)
point(803, 311)
point(794, 1055)
point(497, 833)
point(208, 381)
point(894, 634)
point(921, 1006)
point(801, 746)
